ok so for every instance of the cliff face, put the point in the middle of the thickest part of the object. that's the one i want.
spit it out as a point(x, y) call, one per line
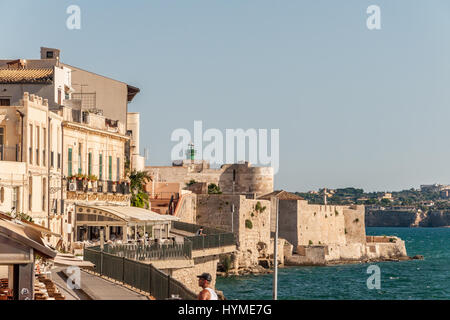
point(390, 218)
point(438, 218)
point(410, 218)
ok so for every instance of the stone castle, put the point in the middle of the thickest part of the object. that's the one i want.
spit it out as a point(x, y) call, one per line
point(308, 234)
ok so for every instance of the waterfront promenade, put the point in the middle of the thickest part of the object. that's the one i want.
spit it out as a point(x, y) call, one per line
point(94, 287)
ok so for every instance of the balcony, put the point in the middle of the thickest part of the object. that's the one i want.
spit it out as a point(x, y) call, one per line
point(102, 190)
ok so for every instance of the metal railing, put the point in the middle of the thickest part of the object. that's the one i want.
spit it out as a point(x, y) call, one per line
point(151, 252)
point(141, 276)
point(103, 186)
point(212, 238)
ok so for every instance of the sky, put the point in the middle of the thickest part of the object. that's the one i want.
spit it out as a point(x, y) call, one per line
point(354, 107)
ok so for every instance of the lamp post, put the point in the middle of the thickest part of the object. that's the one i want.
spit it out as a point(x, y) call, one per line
point(275, 253)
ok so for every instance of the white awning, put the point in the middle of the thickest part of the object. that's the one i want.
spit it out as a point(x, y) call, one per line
point(133, 214)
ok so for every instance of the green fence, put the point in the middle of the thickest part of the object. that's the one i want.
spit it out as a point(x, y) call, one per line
point(213, 238)
point(139, 275)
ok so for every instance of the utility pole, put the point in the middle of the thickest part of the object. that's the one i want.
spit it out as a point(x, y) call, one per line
point(275, 253)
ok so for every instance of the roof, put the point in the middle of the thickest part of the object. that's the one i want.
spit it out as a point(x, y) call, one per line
point(282, 195)
point(27, 234)
point(26, 75)
point(132, 92)
point(134, 214)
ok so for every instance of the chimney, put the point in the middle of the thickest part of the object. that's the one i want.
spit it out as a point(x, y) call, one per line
point(50, 53)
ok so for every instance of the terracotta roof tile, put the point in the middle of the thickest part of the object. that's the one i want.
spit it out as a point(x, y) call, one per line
point(26, 75)
point(282, 195)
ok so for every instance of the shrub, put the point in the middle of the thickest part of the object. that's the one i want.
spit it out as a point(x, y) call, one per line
point(248, 224)
point(310, 242)
point(356, 220)
point(214, 189)
point(336, 213)
point(190, 183)
point(259, 207)
point(226, 263)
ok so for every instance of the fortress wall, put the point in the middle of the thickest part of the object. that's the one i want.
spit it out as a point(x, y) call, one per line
point(215, 211)
point(247, 179)
point(188, 276)
point(355, 231)
point(320, 224)
point(287, 221)
point(187, 208)
point(254, 242)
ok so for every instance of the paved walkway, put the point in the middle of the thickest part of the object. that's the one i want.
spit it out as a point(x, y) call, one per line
point(101, 289)
point(59, 278)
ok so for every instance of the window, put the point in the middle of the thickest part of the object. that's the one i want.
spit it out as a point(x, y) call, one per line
point(59, 160)
point(79, 158)
point(15, 199)
point(118, 169)
point(2, 194)
point(110, 168)
point(30, 145)
point(44, 137)
point(38, 142)
point(52, 162)
point(59, 97)
point(30, 193)
point(5, 102)
point(2, 141)
point(44, 193)
point(100, 167)
point(49, 54)
point(69, 167)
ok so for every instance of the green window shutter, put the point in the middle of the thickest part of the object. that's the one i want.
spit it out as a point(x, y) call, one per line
point(90, 163)
point(70, 163)
point(110, 168)
point(118, 169)
point(100, 165)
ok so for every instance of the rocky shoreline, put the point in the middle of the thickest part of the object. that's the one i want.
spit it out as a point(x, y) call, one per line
point(292, 263)
point(260, 270)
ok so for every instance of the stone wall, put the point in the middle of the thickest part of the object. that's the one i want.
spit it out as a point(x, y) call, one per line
point(188, 276)
point(320, 224)
point(247, 179)
point(215, 211)
point(186, 208)
point(355, 231)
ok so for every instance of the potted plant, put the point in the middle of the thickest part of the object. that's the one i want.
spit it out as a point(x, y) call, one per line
point(93, 181)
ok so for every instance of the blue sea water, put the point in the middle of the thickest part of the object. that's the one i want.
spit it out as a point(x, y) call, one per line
point(404, 280)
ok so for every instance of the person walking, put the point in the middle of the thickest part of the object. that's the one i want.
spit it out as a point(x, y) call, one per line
point(204, 281)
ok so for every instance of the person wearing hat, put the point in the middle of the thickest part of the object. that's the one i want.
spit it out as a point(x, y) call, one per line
point(204, 280)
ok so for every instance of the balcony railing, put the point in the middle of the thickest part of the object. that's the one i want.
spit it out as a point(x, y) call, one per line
point(100, 186)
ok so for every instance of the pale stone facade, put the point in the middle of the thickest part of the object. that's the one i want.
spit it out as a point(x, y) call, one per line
point(30, 145)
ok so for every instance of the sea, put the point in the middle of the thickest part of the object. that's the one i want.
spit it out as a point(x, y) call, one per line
point(405, 280)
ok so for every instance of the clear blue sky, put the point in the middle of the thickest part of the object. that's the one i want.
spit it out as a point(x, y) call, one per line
point(360, 108)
